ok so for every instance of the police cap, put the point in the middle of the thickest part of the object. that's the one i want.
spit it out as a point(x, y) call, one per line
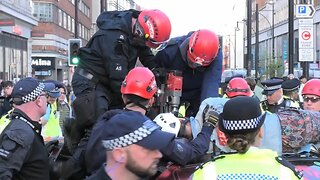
point(290, 85)
point(270, 86)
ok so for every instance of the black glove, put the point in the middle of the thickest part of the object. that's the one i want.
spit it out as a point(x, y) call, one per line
point(210, 116)
point(51, 145)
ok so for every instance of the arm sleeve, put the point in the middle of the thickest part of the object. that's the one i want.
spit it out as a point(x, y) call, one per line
point(146, 58)
point(183, 153)
point(14, 148)
point(212, 78)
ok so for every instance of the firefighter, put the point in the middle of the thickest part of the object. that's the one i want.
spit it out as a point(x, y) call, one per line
point(198, 56)
point(138, 91)
point(244, 134)
point(123, 36)
point(311, 95)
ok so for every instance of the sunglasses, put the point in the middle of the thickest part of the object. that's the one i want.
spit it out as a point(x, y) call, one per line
point(312, 99)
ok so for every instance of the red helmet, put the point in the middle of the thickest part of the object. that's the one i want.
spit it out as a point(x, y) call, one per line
point(141, 82)
point(203, 48)
point(238, 87)
point(155, 27)
point(312, 87)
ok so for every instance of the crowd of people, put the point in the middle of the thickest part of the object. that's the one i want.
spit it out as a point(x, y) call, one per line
point(112, 131)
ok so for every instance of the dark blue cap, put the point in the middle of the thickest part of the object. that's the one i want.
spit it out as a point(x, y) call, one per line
point(132, 127)
point(291, 84)
point(55, 93)
point(28, 89)
point(270, 86)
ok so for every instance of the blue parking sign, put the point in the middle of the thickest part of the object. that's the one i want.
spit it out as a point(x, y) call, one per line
point(302, 9)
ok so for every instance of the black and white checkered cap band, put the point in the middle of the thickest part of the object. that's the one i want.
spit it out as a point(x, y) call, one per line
point(234, 125)
point(35, 93)
point(144, 131)
point(270, 88)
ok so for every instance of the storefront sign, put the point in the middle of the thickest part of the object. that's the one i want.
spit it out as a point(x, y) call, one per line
point(43, 63)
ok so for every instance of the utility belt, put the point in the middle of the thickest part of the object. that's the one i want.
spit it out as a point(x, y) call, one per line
point(84, 73)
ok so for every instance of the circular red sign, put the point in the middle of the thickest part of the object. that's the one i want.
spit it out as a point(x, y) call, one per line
point(305, 35)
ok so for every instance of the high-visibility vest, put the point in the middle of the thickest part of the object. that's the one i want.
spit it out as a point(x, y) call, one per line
point(254, 164)
point(4, 121)
point(52, 128)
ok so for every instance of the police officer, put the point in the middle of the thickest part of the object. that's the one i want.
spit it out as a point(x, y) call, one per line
point(198, 56)
point(244, 133)
point(274, 96)
point(138, 157)
point(23, 153)
point(5, 104)
point(291, 91)
point(138, 89)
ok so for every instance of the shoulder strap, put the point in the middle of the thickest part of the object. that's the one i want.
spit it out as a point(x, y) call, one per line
point(290, 166)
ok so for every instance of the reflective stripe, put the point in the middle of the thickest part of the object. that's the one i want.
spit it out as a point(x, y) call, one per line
point(240, 166)
point(4, 121)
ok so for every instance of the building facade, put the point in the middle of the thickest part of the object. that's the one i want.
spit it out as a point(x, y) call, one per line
point(16, 23)
point(273, 34)
point(57, 24)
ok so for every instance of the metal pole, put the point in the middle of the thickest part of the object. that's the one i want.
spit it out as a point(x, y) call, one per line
point(235, 47)
point(256, 58)
point(291, 37)
point(76, 19)
point(249, 26)
point(101, 6)
point(273, 50)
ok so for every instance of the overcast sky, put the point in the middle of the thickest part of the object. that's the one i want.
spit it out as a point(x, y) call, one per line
point(186, 15)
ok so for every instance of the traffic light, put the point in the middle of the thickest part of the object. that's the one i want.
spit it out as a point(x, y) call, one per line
point(74, 45)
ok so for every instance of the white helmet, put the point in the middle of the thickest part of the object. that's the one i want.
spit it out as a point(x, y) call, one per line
point(169, 123)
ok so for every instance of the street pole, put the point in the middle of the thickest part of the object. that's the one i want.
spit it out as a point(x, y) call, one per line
point(235, 47)
point(291, 37)
point(273, 50)
point(256, 58)
point(76, 19)
point(249, 26)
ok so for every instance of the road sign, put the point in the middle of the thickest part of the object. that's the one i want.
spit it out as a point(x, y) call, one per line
point(305, 10)
point(305, 35)
point(305, 55)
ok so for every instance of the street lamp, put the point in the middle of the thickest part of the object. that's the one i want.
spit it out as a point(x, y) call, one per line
point(235, 44)
point(273, 50)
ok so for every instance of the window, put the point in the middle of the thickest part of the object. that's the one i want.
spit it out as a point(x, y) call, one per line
point(43, 11)
point(69, 23)
point(64, 20)
point(60, 17)
point(72, 25)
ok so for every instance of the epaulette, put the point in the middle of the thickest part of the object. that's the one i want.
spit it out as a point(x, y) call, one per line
point(210, 160)
point(287, 164)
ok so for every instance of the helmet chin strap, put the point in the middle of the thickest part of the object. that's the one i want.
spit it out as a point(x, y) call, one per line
point(138, 104)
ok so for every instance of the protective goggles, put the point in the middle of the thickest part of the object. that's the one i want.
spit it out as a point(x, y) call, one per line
point(312, 99)
point(138, 30)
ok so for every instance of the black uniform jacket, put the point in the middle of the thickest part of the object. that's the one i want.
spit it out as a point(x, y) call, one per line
point(23, 154)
